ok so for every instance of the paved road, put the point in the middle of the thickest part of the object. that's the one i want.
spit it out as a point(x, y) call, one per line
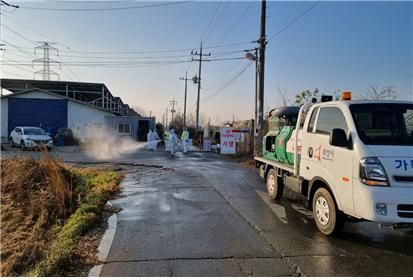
point(202, 215)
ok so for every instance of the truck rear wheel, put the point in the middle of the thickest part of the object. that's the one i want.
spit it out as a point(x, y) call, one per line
point(275, 186)
point(328, 218)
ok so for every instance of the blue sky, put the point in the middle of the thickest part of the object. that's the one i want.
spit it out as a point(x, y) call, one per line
point(334, 46)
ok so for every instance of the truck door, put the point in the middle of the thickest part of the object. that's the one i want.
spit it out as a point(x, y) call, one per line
point(307, 150)
point(333, 164)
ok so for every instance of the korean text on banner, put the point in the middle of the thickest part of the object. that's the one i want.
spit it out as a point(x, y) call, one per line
point(227, 141)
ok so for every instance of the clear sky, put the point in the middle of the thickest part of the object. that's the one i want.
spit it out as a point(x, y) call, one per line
point(333, 46)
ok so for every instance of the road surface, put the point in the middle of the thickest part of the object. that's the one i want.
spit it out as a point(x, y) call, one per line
point(204, 215)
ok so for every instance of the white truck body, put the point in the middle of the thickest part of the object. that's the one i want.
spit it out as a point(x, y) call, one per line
point(339, 168)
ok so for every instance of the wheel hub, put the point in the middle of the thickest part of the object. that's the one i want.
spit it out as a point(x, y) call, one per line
point(322, 211)
point(270, 184)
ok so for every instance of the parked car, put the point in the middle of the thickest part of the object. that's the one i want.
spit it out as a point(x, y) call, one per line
point(28, 137)
point(64, 137)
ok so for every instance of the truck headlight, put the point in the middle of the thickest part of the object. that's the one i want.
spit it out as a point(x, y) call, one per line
point(372, 172)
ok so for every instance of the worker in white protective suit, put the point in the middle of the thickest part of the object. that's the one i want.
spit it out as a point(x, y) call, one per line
point(184, 139)
point(156, 139)
point(173, 140)
point(152, 140)
point(149, 140)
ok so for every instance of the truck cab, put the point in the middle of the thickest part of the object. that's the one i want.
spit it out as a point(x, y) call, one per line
point(353, 159)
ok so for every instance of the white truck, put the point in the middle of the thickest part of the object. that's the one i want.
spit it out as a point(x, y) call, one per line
point(351, 159)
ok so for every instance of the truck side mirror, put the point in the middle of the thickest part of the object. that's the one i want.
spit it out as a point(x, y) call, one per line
point(338, 138)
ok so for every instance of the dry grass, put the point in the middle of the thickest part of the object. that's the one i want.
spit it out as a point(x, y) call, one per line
point(35, 196)
point(37, 202)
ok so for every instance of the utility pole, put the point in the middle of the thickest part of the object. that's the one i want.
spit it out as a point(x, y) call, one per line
point(46, 60)
point(186, 82)
point(167, 124)
point(259, 122)
point(173, 103)
point(198, 79)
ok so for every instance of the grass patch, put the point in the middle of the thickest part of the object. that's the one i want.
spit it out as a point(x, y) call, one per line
point(46, 208)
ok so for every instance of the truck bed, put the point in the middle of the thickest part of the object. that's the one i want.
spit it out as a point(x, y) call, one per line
point(277, 164)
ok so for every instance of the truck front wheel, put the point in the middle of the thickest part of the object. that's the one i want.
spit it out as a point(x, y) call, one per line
point(328, 218)
point(275, 185)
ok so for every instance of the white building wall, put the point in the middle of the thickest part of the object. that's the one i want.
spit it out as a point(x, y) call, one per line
point(83, 120)
point(4, 115)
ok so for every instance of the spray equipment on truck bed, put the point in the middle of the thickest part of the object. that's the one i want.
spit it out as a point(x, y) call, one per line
point(279, 143)
point(281, 124)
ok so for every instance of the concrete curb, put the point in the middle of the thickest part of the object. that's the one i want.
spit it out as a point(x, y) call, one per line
point(105, 244)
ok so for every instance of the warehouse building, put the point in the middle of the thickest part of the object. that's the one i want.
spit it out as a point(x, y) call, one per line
point(78, 106)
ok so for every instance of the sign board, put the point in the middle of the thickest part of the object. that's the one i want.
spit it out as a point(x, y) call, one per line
point(227, 140)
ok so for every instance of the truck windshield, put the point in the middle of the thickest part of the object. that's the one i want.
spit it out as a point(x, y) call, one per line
point(384, 123)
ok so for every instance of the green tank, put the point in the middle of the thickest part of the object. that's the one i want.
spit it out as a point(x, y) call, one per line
point(281, 145)
point(281, 124)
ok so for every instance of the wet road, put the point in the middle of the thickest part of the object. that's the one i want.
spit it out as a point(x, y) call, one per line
point(202, 215)
point(207, 216)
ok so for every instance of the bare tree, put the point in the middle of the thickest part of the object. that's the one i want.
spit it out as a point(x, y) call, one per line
point(305, 96)
point(375, 92)
point(178, 122)
point(283, 94)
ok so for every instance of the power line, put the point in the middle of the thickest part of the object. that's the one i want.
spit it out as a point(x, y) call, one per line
point(18, 48)
point(110, 65)
point(218, 19)
point(9, 5)
point(226, 59)
point(148, 52)
point(97, 63)
point(294, 20)
point(70, 70)
point(211, 20)
point(235, 24)
point(33, 30)
point(14, 74)
point(222, 76)
point(227, 84)
point(21, 68)
point(18, 34)
point(104, 9)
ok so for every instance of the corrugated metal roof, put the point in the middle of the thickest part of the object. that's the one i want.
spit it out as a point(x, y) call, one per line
point(90, 93)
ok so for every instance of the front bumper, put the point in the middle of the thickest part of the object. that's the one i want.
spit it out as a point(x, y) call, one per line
point(38, 144)
point(366, 199)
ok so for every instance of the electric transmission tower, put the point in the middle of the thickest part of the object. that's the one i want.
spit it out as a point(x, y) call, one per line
point(46, 61)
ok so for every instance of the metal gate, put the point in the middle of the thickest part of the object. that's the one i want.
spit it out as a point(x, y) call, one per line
point(50, 114)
